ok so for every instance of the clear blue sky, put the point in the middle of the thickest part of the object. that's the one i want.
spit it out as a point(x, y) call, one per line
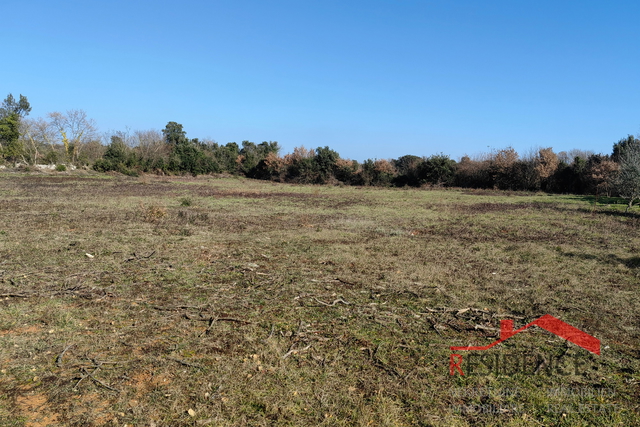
point(370, 79)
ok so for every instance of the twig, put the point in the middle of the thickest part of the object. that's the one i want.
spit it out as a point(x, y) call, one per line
point(511, 316)
point(148, 256)
point(373, 355)
point(178, 307)
point(344, 281)
point(433, 325)
point(541, 365)
point(79, 381)
point(486, 328)
point(333, 303)
point(211, 322)
point(135, 257)
point(61, 355)
point(90, 375)
point(14, 296)
point(182, 362)
point(457, 310)
point(230, 319)
point(98, 363)
point(294, 351)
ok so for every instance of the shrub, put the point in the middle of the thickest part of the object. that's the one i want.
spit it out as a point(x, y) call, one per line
point(51, 157)
point(408, 171)
point(299, 166)
point(378, 172)
point(153, 214)
point(61, 168)
point(346, 171)
point(437, 170)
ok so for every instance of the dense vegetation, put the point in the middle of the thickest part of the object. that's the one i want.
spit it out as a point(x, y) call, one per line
point(72, 138)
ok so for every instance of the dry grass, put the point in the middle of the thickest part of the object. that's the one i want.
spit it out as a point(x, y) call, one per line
point(267, 304)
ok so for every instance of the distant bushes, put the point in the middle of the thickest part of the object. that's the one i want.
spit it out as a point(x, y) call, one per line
point(72, 139)
point(544, 170)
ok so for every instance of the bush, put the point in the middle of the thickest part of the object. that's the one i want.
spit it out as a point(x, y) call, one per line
point(378, 173)
point(51, 158)
point(408, 171)
point(61, 168)
point(437, 170)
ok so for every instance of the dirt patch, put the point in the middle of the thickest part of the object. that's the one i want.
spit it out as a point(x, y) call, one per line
point(480, 208)
point(36, 409)
point(484, 192)
point(209, 192)
point(21, 331)
point(141, 189)
point(45, 180)
point(145, 381)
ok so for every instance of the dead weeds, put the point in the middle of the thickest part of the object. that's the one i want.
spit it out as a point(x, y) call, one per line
point(269, 304)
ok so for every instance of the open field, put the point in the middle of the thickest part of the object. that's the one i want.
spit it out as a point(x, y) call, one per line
point(158, 301)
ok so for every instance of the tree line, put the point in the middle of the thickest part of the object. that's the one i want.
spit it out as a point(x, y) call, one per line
point(73, 138)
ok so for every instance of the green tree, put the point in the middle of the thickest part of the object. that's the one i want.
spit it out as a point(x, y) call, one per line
point(117, 157)
point(437, 170)
point(10, 146)
point(9, 106)
point(252, 156)
point(408, 170)
point(325, 164)
point(621, 145)
point(225, 157)
point(174, 134)
point(376, 172)
point(300, 166)
point(11, 114)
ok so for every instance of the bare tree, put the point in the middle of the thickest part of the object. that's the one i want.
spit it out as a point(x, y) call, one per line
point(570, 156)
point(546, 163)
point(151, 145)
point(501, 165)
point(628, 180)
point(36, 134)
point(75, 130)
point(128, 138)
point(601, 174)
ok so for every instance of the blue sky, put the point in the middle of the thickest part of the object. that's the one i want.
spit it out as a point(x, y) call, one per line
point(370, 79)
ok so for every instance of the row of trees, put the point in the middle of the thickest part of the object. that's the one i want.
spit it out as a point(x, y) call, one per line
point(577, 172)
point(69, 137)
point(72, 137)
